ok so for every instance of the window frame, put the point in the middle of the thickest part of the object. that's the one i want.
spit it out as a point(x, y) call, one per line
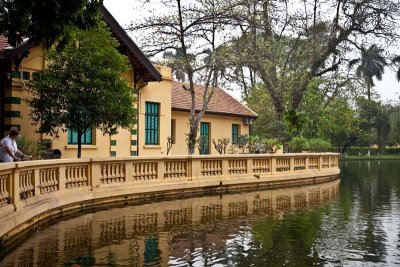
point(72, 135)
point(235, 136)
point(173, 131)
point(152, 123)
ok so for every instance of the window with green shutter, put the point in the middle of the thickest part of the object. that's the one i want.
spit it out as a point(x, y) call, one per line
point(86, 138)
point(152, 121)
point(235, 133)
point(204, 143)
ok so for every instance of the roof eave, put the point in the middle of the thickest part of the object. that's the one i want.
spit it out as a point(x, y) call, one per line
point(218, 113)
point(10, 53)
point(125, 40)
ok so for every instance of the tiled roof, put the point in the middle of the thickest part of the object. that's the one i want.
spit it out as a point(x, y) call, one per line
point(221, 102)
point(3, 42)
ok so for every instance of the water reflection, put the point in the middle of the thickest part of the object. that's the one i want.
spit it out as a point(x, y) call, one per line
point(198, 231)
point(302, 226)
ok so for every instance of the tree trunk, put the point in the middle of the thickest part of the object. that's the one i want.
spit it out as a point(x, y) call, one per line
point(369, 119)
point(192, 136)
point(79, 134)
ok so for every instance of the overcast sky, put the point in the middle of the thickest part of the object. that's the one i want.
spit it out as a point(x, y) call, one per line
point(124, 11)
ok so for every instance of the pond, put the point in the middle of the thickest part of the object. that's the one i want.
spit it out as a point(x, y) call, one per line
point(352, 221)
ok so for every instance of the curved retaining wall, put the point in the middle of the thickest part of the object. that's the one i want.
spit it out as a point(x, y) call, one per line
point(33, 191)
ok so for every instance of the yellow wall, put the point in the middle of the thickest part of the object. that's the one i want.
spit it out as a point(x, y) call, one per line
point(220, 127)
point(32, 63)
point(157, 93)
point(101, 147)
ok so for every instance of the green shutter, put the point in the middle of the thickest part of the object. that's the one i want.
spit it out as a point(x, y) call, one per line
point(12, 100)
point(152, 123)
point(86, 138)
point(13, 114)
point(205, 138)
point(235, 134)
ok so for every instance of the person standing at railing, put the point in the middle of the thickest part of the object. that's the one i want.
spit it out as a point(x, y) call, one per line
point(8, 148)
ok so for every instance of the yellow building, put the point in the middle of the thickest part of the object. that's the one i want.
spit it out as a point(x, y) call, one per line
point(162, 106)
point(225, 118)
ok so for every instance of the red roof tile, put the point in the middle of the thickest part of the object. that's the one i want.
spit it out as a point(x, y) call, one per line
point(221, 102)
point(3, 42)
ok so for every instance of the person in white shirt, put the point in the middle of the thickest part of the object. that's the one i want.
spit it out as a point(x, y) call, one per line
point(8, 148)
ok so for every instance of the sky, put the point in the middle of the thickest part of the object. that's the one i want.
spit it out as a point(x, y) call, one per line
point(124, 11)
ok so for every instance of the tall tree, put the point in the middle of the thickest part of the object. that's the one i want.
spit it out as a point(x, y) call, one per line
point(340, 124)
point(371, 65)
point(83, 87)
point(396, 62)
point(45, 20)
point(193, 30)
point(287, 45)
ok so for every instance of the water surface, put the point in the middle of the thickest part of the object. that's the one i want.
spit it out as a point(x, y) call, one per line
point(354, 222)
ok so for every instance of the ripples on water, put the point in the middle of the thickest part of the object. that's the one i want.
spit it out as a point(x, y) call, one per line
point(355, 223)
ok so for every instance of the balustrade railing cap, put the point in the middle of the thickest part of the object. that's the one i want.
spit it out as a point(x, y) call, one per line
point(7, 166)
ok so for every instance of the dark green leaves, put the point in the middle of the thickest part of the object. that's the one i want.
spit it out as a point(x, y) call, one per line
point(83, 87)
point(48, 20)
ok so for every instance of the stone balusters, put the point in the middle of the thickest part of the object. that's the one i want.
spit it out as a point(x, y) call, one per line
point(5, 182)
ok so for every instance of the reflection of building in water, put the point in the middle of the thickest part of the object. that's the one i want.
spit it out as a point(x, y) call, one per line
point(152, 234)
point(211, 212)
point(175, 218)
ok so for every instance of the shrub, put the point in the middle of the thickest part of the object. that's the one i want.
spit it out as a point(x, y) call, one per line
point(30, 147)
point(258, 145)
point(221, 145)
point(298, 144)
point(319, 145)
point(271, 145)
point(243, 141)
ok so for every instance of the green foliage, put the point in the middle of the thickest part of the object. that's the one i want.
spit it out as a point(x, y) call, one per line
point(243, 141)
point(295, 121)
point(266, 125)
point(371, 64)
point(83, 87)
point(45, 20)
point(340, 124)
point(31, 148)
point(362, 151)
point(202, 141)
point(394, 120)
point(262, 145)
point(376, 121)
point(298, 144)
point(318, 145)
point(232, 149)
